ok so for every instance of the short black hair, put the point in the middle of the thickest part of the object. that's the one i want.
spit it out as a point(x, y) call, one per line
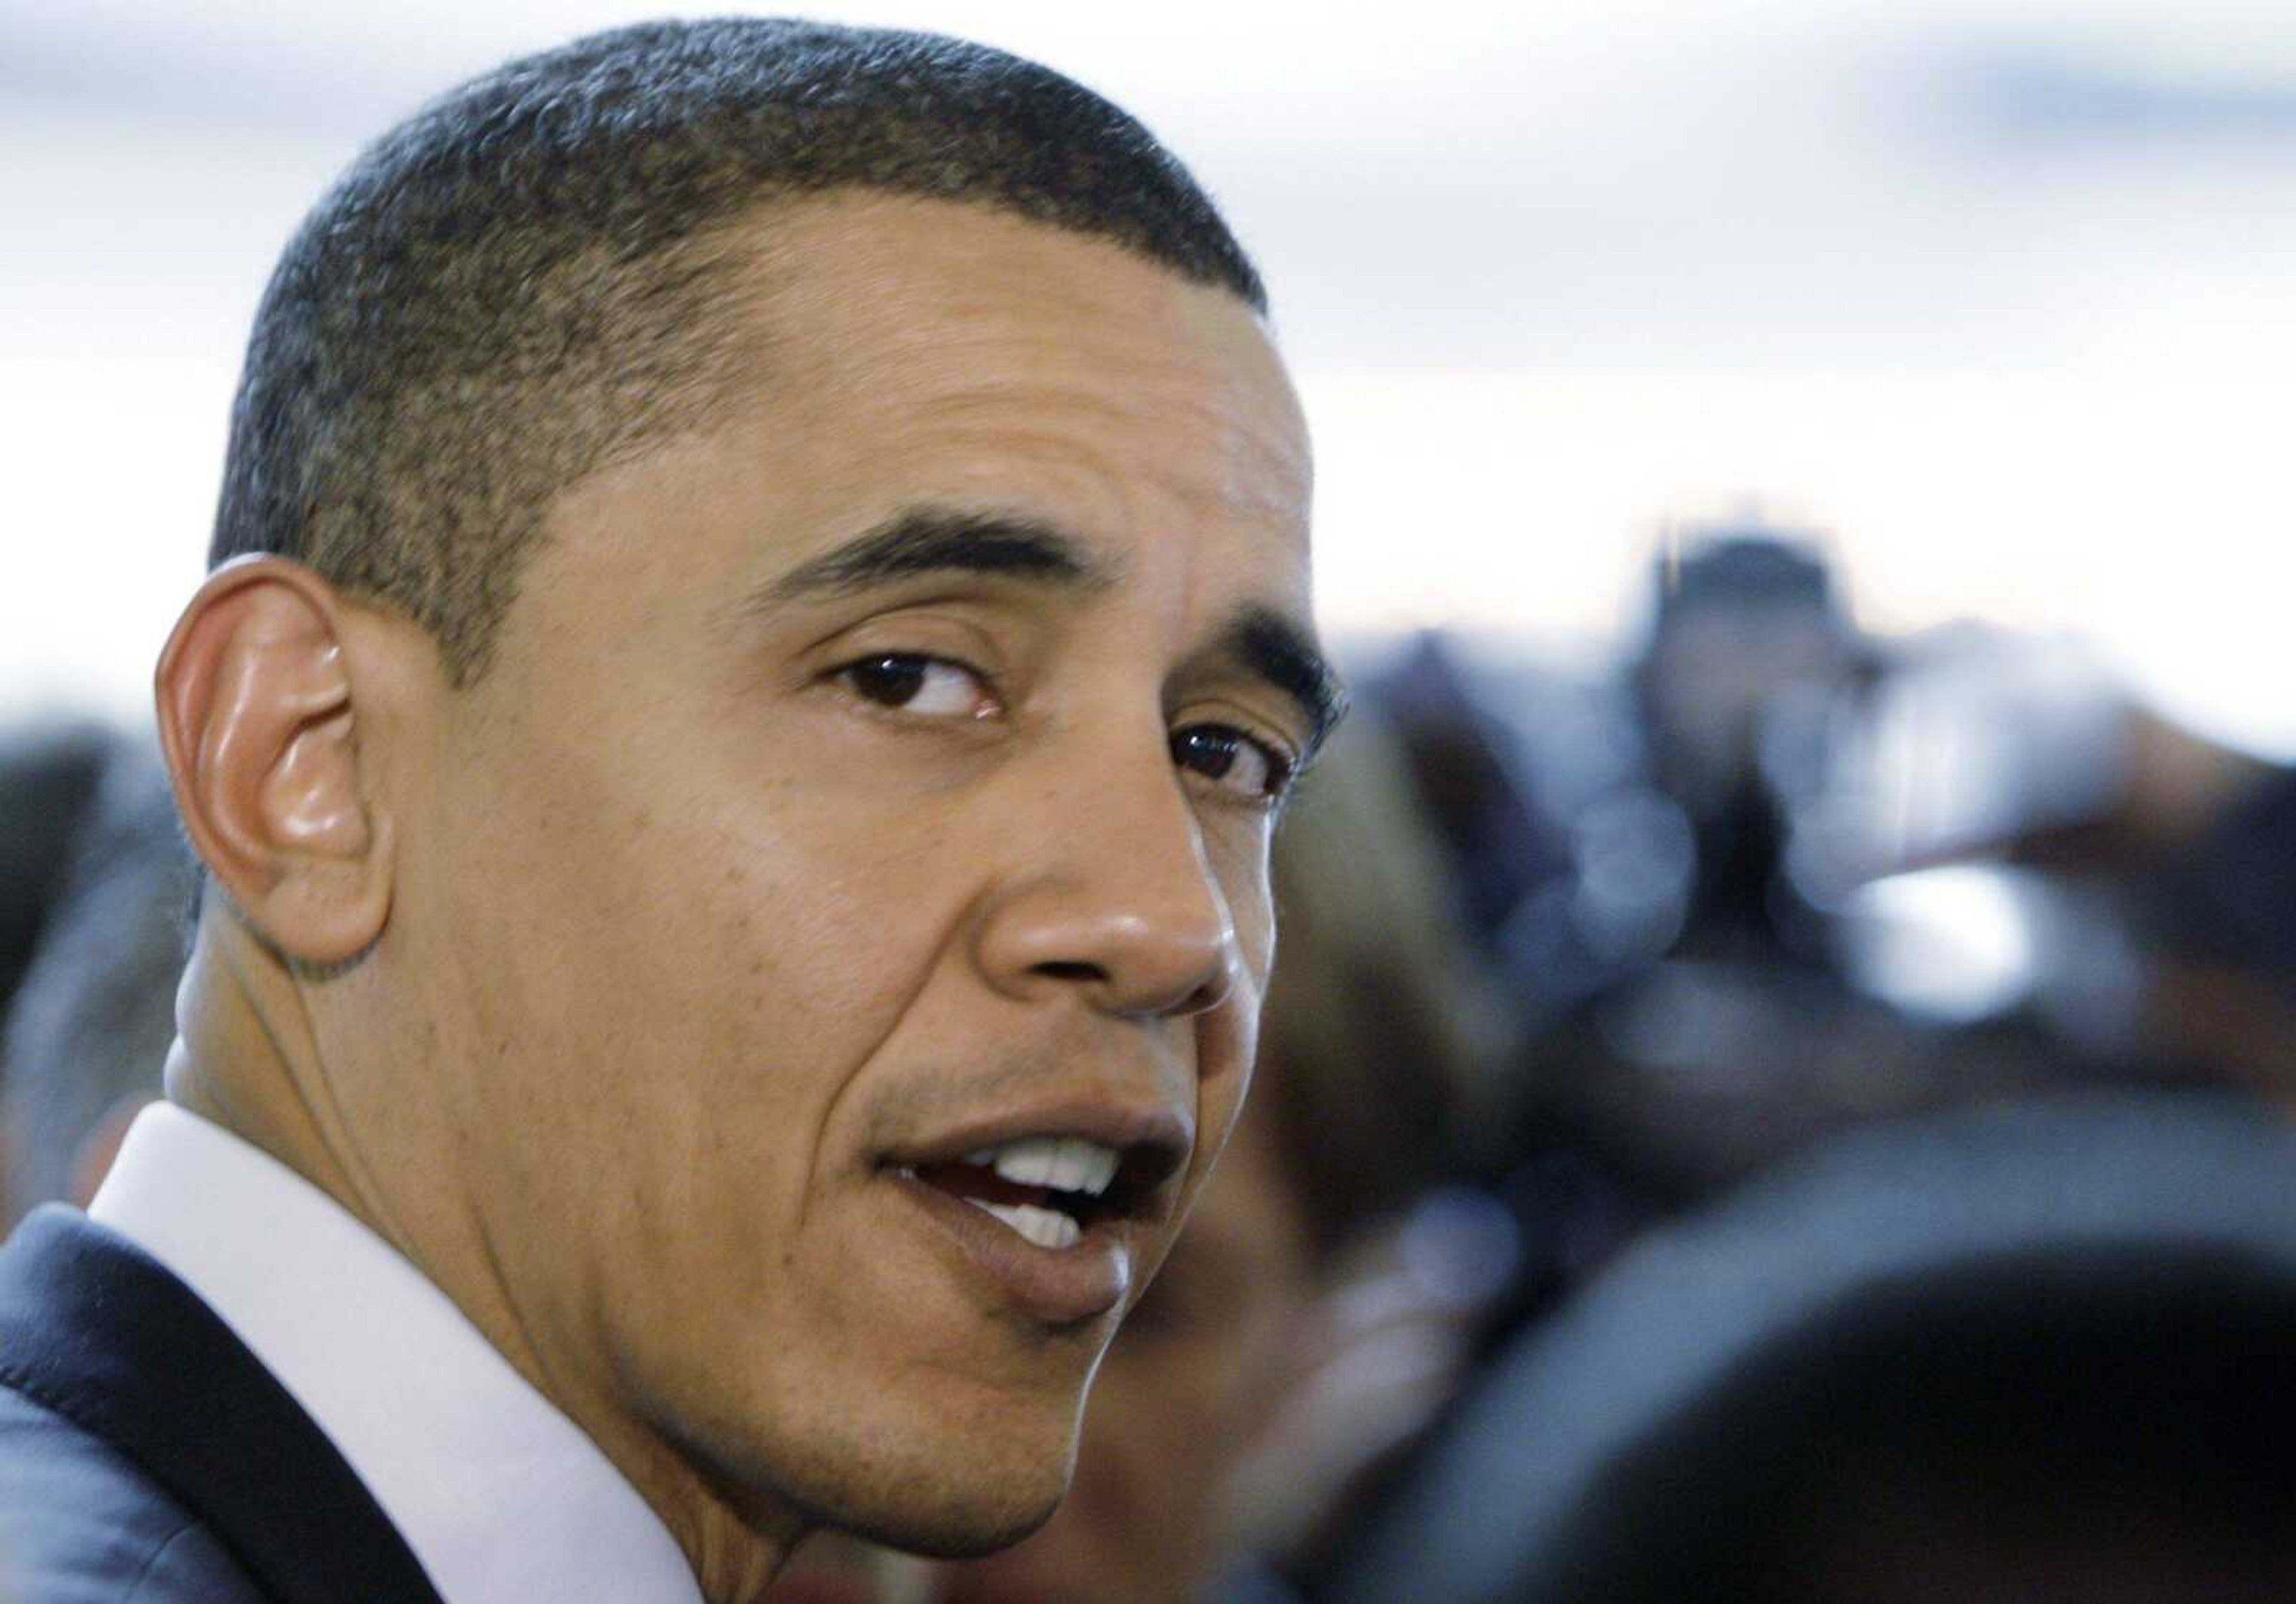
point(523, 283)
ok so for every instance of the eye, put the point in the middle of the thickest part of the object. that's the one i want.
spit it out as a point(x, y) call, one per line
point(1237, 763)
point(930, 687)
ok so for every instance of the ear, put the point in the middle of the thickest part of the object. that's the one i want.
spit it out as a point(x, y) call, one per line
point(259, 725)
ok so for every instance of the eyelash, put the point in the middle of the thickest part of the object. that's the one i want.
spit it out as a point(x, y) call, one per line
point(1218, 744)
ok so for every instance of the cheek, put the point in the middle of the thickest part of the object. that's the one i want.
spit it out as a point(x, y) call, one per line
point(1240, 863)
point(660, 969)
point(1227, 1038)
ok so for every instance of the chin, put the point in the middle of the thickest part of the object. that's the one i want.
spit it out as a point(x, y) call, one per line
point(942, 1488)
point(942, 1519)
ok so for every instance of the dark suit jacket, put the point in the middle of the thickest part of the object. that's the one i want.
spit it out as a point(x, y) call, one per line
point(146, 1456)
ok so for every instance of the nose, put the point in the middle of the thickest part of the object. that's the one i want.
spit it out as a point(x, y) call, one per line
point(1114, 896)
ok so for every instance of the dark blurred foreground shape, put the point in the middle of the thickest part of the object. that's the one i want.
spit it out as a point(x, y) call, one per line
point(2036, 1355)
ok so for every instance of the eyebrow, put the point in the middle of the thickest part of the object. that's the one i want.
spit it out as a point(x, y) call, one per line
point(1265, 643)
point(1280, 651)
point(934, 542)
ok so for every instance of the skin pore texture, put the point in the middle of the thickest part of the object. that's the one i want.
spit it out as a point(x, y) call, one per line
point(883, 771)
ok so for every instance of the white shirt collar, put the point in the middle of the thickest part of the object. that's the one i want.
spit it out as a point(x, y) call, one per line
point(502, 1498)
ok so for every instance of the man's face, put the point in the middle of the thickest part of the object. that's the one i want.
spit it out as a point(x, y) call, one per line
point(875, 781)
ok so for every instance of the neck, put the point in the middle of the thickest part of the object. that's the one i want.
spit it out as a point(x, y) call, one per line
point(249, 1058)
point(246, 1058)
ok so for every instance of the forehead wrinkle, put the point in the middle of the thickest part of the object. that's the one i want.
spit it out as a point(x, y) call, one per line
point(1235, 461)
point(870, 351)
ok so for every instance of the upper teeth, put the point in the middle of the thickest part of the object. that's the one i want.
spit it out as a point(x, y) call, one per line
point(1067, 1164)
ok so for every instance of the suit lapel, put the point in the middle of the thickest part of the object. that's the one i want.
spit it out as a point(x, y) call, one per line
point(97, 1330)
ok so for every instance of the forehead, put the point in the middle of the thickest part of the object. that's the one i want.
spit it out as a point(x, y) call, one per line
point(909, 348)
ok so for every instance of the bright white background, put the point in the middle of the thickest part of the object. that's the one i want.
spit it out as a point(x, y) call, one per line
point(2000, 297)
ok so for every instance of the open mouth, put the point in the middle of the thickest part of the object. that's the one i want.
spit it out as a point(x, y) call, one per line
point(1052, 1190)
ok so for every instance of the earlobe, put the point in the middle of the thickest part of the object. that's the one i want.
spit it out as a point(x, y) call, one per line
point(259, 723)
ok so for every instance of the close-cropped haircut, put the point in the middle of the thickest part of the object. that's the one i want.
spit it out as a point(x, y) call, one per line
point(528, 280)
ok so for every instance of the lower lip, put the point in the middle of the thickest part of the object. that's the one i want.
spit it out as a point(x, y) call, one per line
point(1058, 1286)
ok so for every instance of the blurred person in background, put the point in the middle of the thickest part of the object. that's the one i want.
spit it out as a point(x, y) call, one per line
point(1773, 879)
point(89, 1032)
point(1690, 933)
point(2218, 907)
point(2154, 869)
point(759, 633)
point(1748, 628)
point(48, 775)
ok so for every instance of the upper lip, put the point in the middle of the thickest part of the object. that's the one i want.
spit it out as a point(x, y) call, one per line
point(1152, 1138)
